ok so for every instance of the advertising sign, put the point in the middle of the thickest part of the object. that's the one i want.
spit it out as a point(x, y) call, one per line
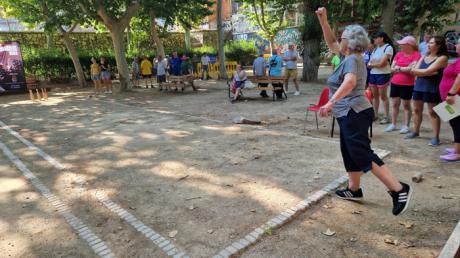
point(12, 76)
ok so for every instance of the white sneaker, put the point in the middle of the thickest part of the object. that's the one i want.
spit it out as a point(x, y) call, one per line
point(297, 93)
point(404, 129)
point(390, 128)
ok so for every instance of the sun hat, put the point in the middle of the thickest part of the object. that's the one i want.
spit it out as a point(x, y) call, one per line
point(407, 40)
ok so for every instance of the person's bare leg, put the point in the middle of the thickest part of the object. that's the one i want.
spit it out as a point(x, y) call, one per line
point(407, 111)
point(418, 115)
point(435, 120)
point(384, 174)
point(237, 94)
point(383, 92)
point(296, 84)
point(375, 100)
point(396, 101)
point(354, 180)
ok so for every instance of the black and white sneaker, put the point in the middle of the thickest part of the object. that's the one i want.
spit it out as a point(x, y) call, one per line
point(348, 194)
point(401, 199)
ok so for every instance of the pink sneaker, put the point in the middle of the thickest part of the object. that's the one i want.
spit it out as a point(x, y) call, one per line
point(453, 157)
point(449, 150)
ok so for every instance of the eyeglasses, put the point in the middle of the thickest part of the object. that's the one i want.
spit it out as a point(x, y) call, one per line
point(340, 39)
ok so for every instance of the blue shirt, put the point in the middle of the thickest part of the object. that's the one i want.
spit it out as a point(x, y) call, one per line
point(175, 65)
point(428, 83)
point(276, 66)
point(290, 54)
point(259, 66)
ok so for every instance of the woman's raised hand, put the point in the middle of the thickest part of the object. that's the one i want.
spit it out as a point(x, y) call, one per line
point(321, 13)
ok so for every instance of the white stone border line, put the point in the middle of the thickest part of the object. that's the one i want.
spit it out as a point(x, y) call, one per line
point(149, 233)
point(284, 217)
point(154, 237)
point(99, 247)
point(158, 240)
point(452, 247)
point(47, 157)
point(278, 221)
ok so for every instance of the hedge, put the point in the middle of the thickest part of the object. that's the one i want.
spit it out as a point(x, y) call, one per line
point(55, 64)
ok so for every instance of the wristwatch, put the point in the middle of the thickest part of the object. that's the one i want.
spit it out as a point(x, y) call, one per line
point(450, 94)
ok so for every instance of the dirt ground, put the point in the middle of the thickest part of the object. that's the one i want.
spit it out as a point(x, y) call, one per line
point(178, 163)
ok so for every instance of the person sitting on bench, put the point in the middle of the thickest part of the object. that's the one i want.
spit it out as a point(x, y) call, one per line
point(276, 68)
point(240, 79)
point(258, 68)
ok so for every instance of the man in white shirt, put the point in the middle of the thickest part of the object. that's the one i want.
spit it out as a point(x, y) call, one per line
point(205, 66)
point(161, 70)
point(290, 57)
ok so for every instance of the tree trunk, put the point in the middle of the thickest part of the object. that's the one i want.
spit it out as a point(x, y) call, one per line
point(49, 40)
point(388, 17)
point(154, 34)
point(311, 42)
point(120, 56)
point(75, 60)
point(310, 60)
point(220, 29)
point(188, 40)
point(272, 44)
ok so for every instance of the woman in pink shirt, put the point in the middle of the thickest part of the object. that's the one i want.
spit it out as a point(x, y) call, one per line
point(449, 87)
point(402, 83)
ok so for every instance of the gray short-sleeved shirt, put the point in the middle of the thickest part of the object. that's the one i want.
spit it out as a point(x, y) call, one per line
point(356, 99)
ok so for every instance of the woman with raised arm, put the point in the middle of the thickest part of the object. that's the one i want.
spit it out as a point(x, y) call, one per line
point(355, 114)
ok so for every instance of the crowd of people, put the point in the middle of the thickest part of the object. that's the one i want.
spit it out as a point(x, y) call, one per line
point(161, 66)
point(150, 71)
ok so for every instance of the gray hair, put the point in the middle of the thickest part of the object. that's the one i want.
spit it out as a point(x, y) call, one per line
point(357, 37)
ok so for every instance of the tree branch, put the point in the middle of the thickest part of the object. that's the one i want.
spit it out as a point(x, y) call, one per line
point(256, 14)
point(130, 12)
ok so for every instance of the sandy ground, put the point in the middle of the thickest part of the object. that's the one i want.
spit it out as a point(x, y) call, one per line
point(178, 163)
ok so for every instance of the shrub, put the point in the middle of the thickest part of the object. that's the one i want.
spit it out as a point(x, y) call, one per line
point(243, 52)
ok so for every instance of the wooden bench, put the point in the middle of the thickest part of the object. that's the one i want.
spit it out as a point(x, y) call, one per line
point(178, 82)
point(268, 80)
point(34, 87)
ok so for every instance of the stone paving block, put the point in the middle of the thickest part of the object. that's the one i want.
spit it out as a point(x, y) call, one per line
point(259, 230)
point(98, 245)
point(179, 255)
point(216, 256)
point(250, 239)
point(224, 253)
point(95, 242)
point(110, 255)
point(244, 242)
point(164, 243)
point(104, 252)
point(159, 240)
point(100, 249)
point(172, 252)
point(232, 250)
point(238, 246)
point(154, 237)
point(168, 247)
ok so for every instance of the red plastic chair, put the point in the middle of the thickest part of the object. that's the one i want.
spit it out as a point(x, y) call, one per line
point(368, 94)
point(323, 99)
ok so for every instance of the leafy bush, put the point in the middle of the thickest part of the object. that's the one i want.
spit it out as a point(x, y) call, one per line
point(243, 52)
point(55, 64)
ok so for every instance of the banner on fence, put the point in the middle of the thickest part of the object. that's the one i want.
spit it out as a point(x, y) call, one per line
point(12, 76)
